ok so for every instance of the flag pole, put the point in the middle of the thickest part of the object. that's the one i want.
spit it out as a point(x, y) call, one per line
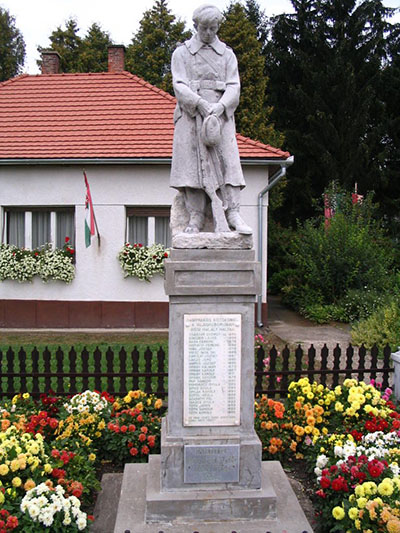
point(94, 216)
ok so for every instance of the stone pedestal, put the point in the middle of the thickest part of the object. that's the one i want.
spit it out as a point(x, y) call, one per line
point(208, 440)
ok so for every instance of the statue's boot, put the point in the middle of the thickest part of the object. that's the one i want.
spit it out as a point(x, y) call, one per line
point(236, 222)
point(196, 222)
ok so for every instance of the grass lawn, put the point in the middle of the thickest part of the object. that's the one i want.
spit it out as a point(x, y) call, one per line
point(48, 344)
point(52, 342)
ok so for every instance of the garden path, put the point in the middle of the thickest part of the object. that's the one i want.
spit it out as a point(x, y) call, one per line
point(295, 329)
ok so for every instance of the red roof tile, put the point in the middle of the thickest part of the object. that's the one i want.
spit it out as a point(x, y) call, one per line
point(95, 115)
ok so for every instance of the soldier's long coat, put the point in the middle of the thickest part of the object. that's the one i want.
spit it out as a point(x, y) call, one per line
point(209, 72)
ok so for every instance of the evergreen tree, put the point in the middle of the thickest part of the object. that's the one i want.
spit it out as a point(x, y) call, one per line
point(253, 114)
point(149, 55)
point(388, 188)
point(12, 47)
point(324, 64)
point(93, 56)
point(259, 20)
point(68, 44)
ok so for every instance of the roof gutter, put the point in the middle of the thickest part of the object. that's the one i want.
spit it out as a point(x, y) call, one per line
point(120, 161)
point(275, 178)
point(88, 161)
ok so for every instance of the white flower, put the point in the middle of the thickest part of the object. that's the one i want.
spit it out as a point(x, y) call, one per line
point(322, 461)
point(33, 510)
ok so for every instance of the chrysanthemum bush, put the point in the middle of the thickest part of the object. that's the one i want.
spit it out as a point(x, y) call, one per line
point(21, 264)
point(51, 451)
point(142, 261)
point(349, 441)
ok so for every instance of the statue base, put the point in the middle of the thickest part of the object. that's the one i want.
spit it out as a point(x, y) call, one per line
point(230, 240)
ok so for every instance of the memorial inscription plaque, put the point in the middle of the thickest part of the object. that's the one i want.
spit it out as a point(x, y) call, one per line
point(212, 356)
point(211, 464)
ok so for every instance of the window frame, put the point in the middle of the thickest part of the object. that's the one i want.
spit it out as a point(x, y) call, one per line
point(150, 212)
point(28, 210)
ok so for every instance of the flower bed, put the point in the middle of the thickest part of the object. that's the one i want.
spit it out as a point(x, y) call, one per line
point(51, 450)
point(347, 438)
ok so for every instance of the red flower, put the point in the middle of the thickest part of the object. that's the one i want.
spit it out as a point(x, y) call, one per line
point(124, 429)
point(375, 468)
point(145, 450)
point(66, 239)
point(320, 493)
point(144, 429)
point(133, 451)
point(142, 437)
point(55, 454)
point(132, 427)
point(325, 482)
point(140, 418)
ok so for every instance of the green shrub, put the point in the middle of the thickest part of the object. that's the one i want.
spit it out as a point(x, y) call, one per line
point(381, 327)
point(345, 265)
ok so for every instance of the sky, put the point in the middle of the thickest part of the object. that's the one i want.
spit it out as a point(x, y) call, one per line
point(120, 18)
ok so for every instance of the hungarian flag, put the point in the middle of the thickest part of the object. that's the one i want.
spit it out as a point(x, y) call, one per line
point(89, 214)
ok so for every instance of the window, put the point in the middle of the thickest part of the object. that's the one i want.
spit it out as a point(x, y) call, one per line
point(148, 225)
point(32, 227)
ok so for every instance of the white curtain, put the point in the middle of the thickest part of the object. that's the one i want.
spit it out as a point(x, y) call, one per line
point(162, 231)
point(138, 230)
point(40, 228)
point(65, 227)
point(16, 228)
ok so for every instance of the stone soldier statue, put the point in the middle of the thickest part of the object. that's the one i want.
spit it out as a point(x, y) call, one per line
point(205, 163)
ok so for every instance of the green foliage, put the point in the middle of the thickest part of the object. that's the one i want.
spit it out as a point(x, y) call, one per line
point(149, 55)
point(325, 62)
point(253, 114)
point(68, 44)
point(12, 47)
point(340, 271)
point(93, 56)
point(89, 54)
point(381, 327)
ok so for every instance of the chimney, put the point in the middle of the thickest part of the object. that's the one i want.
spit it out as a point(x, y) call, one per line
point(116, 58)
point(50, 62)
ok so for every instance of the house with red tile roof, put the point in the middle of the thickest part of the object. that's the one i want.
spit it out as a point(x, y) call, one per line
point(119, 130)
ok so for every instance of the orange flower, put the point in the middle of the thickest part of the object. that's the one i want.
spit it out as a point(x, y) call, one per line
point(272, 449)
point(5, 424)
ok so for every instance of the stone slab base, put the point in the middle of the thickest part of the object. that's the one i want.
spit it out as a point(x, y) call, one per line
point(132, 507)
point(221, 505)
point(225, 240)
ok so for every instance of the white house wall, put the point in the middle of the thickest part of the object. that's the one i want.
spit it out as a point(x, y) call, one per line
point(98, 274)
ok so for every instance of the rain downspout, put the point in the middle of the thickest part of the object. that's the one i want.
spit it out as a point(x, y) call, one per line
point(279, 174)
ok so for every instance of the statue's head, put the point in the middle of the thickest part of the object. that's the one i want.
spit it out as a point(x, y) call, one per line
point(207, 20)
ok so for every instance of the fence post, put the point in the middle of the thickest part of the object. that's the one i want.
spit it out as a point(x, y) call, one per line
point(396, 381)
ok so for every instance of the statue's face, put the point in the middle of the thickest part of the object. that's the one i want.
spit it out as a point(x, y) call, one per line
point(207, 31)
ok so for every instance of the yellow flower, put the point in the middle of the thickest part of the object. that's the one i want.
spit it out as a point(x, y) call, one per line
point(338, 513)
point(338, 407)
point(1, 498)
point(353, 513)
point(16, 482)
point(92, 457)
point(4, 470)
point(158, 403)
point(47, 468)
point(362, 502)
point(127, 398)
point(101, 425)
point(14, 466)
point(386, 488)
point(139, 406)
point(25, 396)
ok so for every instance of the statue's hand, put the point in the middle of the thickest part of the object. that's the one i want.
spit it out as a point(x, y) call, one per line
point(217, 109)
point(204, 108)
